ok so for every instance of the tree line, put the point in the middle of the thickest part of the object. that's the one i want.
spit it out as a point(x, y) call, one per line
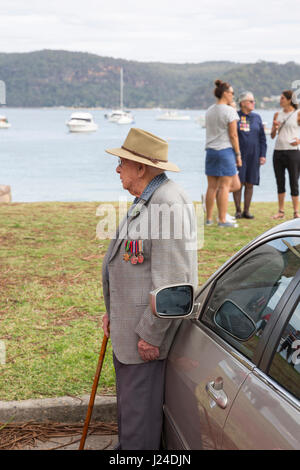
point(63, 78)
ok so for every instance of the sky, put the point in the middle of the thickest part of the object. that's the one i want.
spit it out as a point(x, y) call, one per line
point(185, 31)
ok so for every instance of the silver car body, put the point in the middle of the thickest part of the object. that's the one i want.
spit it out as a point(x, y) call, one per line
point(219, 392)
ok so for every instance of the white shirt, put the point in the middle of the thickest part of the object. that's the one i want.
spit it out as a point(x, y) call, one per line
point(217, 118)
point(289, 130)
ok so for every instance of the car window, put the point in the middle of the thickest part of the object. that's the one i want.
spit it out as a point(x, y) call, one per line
point(285, 367)
point(246, 295)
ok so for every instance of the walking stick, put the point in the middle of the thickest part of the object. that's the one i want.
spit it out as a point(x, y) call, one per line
point(93, 393)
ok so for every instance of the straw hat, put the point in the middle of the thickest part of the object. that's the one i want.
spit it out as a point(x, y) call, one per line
point(141, 146)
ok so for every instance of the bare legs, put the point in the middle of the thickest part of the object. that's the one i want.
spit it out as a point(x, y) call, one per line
point(235, 183)
point(211, 192)
point(280, 213)
point(222, 197)
point(218, 188)
point(295, 200)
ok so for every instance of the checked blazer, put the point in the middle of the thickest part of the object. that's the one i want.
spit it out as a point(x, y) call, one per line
point(169, 257)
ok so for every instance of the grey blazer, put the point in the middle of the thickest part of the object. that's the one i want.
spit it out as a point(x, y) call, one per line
point(169, 257)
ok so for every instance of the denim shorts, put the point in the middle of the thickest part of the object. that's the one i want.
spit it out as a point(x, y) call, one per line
point(220, 162)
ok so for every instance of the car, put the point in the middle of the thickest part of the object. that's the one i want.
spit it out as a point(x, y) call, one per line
point(233, 370)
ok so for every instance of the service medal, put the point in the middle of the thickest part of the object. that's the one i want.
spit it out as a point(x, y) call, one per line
point(126, 256)
point(134, 258)
point(140, 255)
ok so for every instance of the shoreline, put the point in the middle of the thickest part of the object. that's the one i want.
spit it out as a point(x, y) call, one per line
point(97, 108)
point(116, 201)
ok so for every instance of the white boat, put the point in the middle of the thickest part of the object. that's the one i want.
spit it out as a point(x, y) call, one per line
point(172, 116)
point(266, 128)
point(120, 116)
point(81, 122)
point(4, 124)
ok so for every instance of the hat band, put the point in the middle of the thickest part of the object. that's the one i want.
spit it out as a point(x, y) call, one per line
point(154, 160)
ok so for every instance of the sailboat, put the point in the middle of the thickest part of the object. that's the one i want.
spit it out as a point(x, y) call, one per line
point(120, 116)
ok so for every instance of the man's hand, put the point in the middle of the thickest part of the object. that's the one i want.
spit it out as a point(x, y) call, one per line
point(147, 352)
point(105, 325)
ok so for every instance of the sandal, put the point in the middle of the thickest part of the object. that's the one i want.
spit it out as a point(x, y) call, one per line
point(279, 215)
point(296, 215)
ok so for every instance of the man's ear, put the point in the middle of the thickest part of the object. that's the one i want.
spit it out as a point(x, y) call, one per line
point(141, 169)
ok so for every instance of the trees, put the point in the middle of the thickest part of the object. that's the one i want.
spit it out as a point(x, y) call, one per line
point(63, 78)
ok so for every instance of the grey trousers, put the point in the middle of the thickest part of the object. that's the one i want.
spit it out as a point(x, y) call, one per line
point(140, 395)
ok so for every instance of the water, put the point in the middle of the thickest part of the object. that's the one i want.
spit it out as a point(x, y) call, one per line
point(42, 161)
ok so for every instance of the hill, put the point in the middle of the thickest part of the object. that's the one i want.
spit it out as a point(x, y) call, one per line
point(62, 78)
point(266, 79)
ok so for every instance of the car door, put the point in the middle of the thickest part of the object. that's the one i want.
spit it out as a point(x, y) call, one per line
point(269, 399)
point(213, 356)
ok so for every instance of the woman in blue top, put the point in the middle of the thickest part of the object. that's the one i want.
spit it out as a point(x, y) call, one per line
point(253, 147)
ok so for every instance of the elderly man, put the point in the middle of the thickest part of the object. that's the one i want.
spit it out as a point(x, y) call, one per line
point(252, 140)
point(140, 259)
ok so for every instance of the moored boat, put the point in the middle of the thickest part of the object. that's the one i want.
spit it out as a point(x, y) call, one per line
point(81, 122)
point(120, 116)
point(172, 116)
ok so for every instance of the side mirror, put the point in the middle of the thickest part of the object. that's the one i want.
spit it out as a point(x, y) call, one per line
point(237, 323)
point(175, 301)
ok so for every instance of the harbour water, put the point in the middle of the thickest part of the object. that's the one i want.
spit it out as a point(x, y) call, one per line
point(42, 161)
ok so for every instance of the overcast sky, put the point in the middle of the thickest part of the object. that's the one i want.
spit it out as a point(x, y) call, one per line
point(156, 30)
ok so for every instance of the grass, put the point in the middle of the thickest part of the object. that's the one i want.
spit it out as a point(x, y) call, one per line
point(51, 302)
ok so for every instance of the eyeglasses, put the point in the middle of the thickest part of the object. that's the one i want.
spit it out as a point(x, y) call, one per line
point(120, 162)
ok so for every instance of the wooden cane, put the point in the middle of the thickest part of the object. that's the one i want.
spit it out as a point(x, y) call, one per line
point(93, 393)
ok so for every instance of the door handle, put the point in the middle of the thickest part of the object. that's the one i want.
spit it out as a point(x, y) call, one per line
point(216, 392)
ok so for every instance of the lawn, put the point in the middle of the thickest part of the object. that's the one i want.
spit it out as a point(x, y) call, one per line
point(51, 301)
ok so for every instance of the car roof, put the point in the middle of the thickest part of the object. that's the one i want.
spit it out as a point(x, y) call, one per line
point(293, 225)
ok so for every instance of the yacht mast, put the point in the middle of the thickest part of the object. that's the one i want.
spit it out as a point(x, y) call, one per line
point(121, 88)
